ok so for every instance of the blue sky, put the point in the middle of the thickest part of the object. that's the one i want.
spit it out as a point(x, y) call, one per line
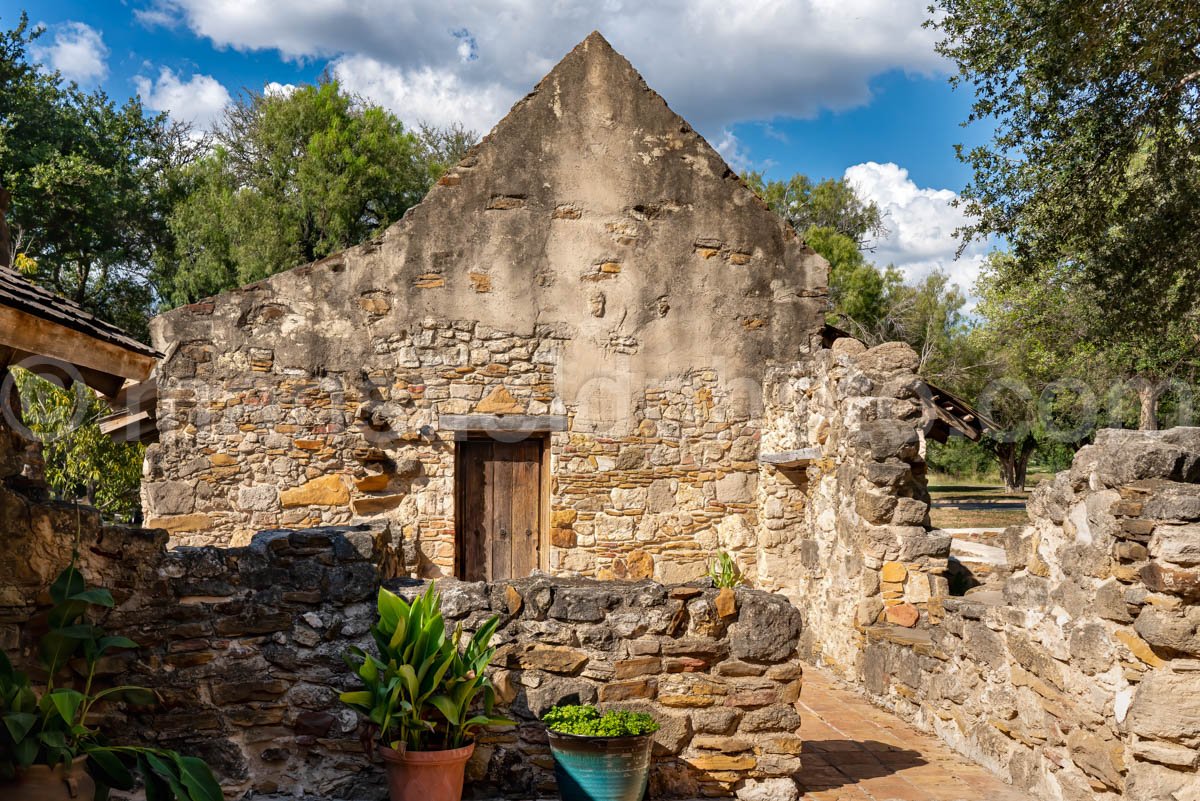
point(829, 88)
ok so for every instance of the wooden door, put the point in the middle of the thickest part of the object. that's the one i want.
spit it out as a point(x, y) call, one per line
point(498, 497)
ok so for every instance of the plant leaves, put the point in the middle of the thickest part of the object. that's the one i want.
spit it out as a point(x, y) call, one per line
point(69, 582)
point(108, 767)
point(95, 597)
point(114, 642)
point(198, 778)
point(447, 707)
point(166, 772)
point(67, 702)
point(19, 724)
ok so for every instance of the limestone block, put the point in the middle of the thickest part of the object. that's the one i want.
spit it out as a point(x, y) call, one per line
point(1172, 501)
point(376, 504)
point(328, 490)
point(910, 512)
point(661, 495)
point(1166, 706)
point(1177, 544)
point(905, 615)
point(767, 630)
point(1172, 581)
point(177, 523)
point(885, 439)
point(734, 534)
point(874, 507)
point(1175, 632)
point(258, 497)
point(171, 497)
point(499, 401)
point(888, 357)
point(611, 528)
point(736, 487)
point(629, 498)
point(1103, 760)
point(672, 571)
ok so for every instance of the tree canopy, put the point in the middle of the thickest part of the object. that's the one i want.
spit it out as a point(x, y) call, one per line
point(1095, 161)
point(874, 304)
point(293, 178)
point(83, 200)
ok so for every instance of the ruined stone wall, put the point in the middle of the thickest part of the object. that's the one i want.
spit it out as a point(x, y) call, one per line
point(1080, 678)
point(243, 647)
point(846, 535)
point(594, 259)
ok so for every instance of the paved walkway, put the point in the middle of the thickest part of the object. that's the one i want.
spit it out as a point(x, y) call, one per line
point(854, 751)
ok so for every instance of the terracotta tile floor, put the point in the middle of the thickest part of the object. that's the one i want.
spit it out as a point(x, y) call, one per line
point(854, 751)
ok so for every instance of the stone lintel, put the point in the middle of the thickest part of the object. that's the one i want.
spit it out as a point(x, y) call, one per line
point(485, 423)
point(789, 460)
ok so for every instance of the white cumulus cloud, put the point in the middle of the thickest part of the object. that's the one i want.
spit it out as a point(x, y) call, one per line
point(77, 51)
point(424, 94)
point(198, 100)
point(717, 63)
point(277, 89)
point(921, 222)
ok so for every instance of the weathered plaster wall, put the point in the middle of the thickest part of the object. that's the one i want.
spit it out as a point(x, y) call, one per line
point(847, 537)
point(593, 257)
point(1080, 678)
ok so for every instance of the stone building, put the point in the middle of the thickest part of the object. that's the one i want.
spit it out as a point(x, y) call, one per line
point(556, 361)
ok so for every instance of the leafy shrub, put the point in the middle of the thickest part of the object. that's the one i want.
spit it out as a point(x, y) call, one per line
point(81, 461)
point(588, 722)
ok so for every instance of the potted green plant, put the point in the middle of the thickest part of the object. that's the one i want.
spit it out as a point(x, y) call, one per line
point(600, 757)
point(425, 695)
point(49, 748)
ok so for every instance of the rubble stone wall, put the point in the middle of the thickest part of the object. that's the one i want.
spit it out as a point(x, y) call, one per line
point(593, 259)
point(244, 649)
point(846, 535)
point(1079, 679)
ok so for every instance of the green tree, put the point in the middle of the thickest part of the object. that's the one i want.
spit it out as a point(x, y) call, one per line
point(83, 204)
point(874, 304)
point(1095, 161)
point(82, 463)
point(1059, 324)
point(293, 178)
point(830, 203)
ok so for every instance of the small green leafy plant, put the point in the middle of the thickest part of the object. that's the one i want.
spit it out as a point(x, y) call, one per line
point(420, 692)
point(53, 726)
point(588, 722)
point(724, 572)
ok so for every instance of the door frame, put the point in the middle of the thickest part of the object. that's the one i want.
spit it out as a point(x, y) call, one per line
point(543, 538)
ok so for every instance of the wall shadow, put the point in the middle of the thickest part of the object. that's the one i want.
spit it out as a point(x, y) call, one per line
point(829, 764)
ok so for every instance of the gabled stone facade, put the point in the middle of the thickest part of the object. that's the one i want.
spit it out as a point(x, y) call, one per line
point(593, 268)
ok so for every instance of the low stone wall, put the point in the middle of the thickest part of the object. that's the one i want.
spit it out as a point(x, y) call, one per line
point(244, 646)
point(1080, 678)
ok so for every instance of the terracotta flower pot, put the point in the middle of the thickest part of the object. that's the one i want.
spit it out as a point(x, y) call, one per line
point(426, 775)
point(60, 783)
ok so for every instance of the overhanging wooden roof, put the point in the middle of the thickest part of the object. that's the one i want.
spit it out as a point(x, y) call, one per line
point(64, 338)
point(946, 412)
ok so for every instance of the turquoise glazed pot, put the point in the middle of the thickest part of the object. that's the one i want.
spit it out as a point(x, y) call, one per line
point(601, 768)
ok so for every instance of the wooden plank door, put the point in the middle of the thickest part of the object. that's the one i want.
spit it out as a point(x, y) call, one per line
point(498, 497)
